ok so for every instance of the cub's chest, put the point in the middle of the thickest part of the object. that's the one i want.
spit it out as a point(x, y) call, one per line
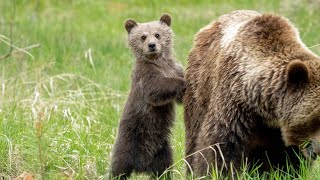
point(167, 70)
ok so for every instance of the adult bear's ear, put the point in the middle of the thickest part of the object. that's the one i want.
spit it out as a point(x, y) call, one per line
point(297, 72)
point(166, 19)
point(129, 24)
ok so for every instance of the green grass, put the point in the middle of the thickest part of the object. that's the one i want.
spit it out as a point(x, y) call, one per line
point(59, 110)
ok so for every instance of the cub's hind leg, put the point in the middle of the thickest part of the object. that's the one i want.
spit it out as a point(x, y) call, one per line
point(160, 167)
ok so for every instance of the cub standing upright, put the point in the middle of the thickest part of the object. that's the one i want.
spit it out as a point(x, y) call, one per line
point(157, 81)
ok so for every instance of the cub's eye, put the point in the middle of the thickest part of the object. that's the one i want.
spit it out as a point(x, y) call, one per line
point(143, 37)
point(157, 35)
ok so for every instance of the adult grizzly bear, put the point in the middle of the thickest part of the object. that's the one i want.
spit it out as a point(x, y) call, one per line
point(253, 93)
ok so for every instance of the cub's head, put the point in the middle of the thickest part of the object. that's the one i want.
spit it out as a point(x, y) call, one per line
point(150, 40)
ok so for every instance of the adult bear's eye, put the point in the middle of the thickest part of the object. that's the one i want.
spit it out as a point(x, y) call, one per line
point(157, 35)
point(143, 37)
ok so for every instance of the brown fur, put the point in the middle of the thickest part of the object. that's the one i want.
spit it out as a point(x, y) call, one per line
point(252, 90)
point(143, 140)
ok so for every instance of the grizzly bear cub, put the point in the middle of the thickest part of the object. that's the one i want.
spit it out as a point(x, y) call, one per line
point(157, 81)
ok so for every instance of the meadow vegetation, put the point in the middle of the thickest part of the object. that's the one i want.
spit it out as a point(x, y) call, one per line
point(60, 103)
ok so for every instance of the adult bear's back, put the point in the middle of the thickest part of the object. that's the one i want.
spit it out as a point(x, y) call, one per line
point(200, 73)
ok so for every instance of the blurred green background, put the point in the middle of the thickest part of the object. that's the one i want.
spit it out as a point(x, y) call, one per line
point(60, 105)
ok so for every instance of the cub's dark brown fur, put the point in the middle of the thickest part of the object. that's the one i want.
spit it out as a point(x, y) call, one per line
point(252, 94)
point(143, 140)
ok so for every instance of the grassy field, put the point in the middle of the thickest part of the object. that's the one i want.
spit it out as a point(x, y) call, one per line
point(60, 104)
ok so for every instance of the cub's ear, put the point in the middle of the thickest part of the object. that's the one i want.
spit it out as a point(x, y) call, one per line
point(297, 72)
point(129, 24)
point(165, 18)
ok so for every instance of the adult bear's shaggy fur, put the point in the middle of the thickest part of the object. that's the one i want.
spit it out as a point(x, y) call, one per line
point(253, 88)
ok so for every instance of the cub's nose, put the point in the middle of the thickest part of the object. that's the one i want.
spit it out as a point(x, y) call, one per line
point(152, 46)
